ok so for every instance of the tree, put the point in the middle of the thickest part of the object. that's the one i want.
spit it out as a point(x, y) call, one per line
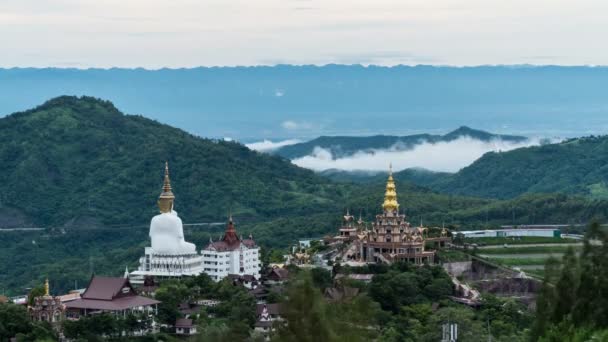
point(568, 280)
point(305, 313)
point(35, 292)
point(321, 278)
point(40, 332)
point(13, 320)
point(545, 301)
point(171, 294)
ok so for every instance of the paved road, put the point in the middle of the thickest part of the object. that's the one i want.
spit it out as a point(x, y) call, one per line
point(19, 229)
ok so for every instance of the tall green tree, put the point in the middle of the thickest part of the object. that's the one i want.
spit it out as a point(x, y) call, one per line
point(304, 313)
point(13, 320)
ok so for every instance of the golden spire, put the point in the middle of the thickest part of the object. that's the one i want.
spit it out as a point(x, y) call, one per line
point(165, 200)
point(390, 196)
point(46, 287)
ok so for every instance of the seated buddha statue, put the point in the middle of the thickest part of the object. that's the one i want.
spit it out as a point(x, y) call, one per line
point(166, 229)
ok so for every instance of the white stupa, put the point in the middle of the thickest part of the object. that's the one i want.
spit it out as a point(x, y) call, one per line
point(170, 255)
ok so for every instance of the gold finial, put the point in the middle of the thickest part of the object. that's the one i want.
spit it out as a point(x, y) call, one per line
point(46, 287)
point(165, 200)
point(390, 196)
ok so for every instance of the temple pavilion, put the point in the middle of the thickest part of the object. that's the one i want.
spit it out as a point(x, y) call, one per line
point(391, 237)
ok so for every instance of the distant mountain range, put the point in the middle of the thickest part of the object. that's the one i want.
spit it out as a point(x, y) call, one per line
point(344, 146)
point(304, 102)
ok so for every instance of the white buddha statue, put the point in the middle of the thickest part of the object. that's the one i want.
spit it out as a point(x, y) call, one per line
point(166, 229)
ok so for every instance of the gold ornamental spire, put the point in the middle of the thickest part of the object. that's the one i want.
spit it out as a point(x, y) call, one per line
point(165, 200)
point(390, 196)
point(46, 287)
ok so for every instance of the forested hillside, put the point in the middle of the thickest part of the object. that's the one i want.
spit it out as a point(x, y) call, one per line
point(91, 176)
point(575, 166)
point(79, 161)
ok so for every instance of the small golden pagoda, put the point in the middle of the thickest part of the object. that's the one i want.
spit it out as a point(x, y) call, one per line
point(390, 196)
point(166, 198)
point(47, 308)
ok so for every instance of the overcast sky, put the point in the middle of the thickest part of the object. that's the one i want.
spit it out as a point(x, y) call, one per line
point(187, 33)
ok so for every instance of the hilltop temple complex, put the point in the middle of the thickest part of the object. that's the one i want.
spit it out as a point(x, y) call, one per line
point(171, 256)
point(391, 238)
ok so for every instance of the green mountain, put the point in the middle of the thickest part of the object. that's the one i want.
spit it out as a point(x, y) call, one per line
point(576, 166)
point(81, 162)
point(91, 175)
point(416, 176)
point(343, 146)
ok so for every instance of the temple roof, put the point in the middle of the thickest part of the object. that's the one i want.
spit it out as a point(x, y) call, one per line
point(106, 288)
point(107, 293)
point(230, 241)
point(111, 305)
point(183, 323)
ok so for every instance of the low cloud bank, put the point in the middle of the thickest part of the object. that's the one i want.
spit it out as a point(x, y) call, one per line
point(443, 156)
point(269, 146)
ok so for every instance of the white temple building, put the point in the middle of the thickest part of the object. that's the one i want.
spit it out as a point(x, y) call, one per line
point(170, 255)
point(231, 255)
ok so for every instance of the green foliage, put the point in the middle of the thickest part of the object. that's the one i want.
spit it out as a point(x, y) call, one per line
point(14, 319)
point(92, 175)
point(35, 292)
point(171, 294)
point(573, 166)
point(309, 317)
point(92, 328)
point(79, 160)
point(39, 332)
point(446, 255)
point(305, 313)
point(406, 285)
point(231, 320)
point(321, 278)
point(572, 301)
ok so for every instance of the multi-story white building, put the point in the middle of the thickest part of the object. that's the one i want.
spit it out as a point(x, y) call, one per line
point(231, 255)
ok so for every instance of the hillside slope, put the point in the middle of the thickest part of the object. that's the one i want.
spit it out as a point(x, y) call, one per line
point(81, 161)
point(575, 166)
point(343, 146)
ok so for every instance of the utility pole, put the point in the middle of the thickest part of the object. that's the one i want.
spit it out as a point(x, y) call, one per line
point(489, 332)
point(513, 213)
point(486, 217)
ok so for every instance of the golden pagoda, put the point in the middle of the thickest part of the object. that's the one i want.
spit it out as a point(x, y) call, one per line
point(390, 196)
point(165, 200)
point(392, 238)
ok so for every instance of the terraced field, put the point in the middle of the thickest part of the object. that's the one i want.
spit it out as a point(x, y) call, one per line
point(529, 258)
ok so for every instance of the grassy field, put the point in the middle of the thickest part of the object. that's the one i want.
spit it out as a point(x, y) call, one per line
point(445, 255)
point(530, 259)
point(519, 261)
point(528, 250)
point(490, 241)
